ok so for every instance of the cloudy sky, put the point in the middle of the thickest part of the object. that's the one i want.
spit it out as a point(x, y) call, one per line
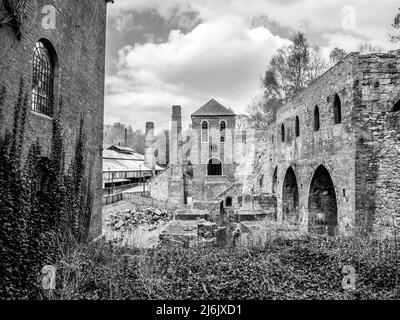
point(184, 52)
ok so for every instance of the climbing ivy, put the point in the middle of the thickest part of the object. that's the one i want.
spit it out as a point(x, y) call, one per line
point(12, 13)
point(43, 208)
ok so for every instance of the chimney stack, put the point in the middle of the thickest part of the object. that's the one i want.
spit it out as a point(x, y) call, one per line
point(126, 137)
point(176, 130)
point(149, 159)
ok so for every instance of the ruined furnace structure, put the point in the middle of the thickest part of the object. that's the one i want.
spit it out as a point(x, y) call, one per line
point(327, 164)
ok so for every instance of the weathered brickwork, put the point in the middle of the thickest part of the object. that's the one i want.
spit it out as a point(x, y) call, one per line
point(79, 44)
point(347, 172)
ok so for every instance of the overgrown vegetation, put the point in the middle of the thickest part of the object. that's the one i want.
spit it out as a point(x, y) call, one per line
point(304, 269)
point(12, 13)
point(42, 208)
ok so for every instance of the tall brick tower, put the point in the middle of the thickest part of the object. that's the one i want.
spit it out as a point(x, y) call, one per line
point(212, 151)
point(175, 135)
point(149, 159)
point(176, 180)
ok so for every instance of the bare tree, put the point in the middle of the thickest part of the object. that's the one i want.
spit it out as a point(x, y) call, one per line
point(317, 64)
point(291, 69)
point(367, 47)
point(336, 55)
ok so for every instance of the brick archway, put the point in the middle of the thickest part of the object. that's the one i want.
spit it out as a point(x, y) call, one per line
point(322, 205)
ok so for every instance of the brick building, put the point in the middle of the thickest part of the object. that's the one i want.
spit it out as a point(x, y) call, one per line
point(68, 60)
point(207, 178)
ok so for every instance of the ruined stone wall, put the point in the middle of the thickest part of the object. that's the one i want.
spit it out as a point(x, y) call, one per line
point(79, 42)
point(378, 152)
point(333, 146)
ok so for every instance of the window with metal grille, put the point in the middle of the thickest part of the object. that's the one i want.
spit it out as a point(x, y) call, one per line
point(204, 131)
point(42, 80)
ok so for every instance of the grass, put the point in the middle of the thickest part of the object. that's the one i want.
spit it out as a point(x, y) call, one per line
point(279, 269)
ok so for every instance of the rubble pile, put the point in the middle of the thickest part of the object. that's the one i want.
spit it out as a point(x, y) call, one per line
point(128, 218)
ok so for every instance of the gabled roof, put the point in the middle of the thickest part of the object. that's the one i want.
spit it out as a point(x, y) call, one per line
point(213, 108)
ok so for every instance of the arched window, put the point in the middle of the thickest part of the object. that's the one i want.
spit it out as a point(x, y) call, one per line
point(214, 167)
point(283, 133)
point(396, 107)
point(337, 109)
point(316, 119)
point(43, 78)
point(204, 131)
point(222, 129)
point(297, 127)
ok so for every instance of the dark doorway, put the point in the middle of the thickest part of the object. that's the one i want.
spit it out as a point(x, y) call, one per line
point(290, 197)
point(214, 167)
point(322, 204)
point(228, 202)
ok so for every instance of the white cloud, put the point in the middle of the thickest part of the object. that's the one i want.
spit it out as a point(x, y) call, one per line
point(221, 59)
point(223, 56)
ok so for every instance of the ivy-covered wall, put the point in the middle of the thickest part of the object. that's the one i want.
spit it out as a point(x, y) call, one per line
point(44, 208)
point(79, 42)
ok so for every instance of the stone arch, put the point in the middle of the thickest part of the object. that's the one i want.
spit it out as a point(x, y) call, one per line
point(214, 167)
point(290, 196)
point(275, 180)
point(322, 204)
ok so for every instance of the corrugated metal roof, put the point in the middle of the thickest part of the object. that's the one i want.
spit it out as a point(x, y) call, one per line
point(120, 165)
point(111, 154)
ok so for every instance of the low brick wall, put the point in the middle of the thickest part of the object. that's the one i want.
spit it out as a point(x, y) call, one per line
point(160, 204)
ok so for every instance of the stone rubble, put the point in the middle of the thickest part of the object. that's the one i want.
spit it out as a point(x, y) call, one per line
point(147, 216)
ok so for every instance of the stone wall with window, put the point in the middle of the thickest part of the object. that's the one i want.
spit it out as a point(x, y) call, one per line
point(77, 45)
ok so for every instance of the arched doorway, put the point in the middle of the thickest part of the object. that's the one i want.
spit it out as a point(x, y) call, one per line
point(214, 167)
point(290, 197)
point(322, 204)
